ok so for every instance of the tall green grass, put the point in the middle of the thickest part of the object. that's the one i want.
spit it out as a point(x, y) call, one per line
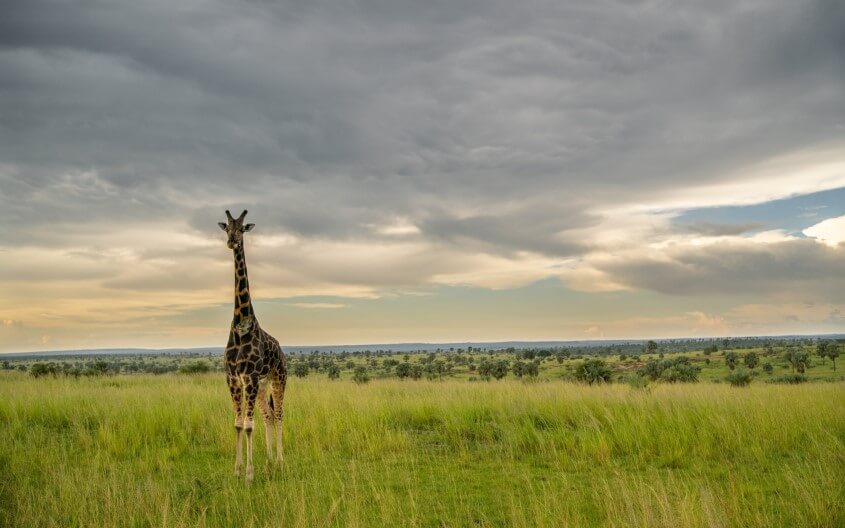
point(158, 451)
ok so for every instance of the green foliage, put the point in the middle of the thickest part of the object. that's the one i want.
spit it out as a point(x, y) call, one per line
point(751, 360)
point(768, 368)
point(496, 369)
point(680, 372)
point(42, 369)
point(360, 375)
point(674, 370)
point(739, 378)
point(300, 369)
point(403, 370)
point(652, 369)
point(798, 358)
point(195, 367)
point(829, 349)
point(593, 371)
point(792, 379)
point(731, 359)
point(333, 371)
point(637, 381)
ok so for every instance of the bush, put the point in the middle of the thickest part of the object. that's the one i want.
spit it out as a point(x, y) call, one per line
point(681, 372)
point(333, 371)
point(751, 360)
point(197, 367)
point(300, 370)
point(790, 378)
point(731, 359)
point(42, 369)
point(593, 371)
point(636, 381)
point(678, 370)
point(403, 370)
point(360, 375)
point(739, 378)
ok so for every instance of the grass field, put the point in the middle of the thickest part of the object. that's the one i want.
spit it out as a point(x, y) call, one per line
point(158, 451)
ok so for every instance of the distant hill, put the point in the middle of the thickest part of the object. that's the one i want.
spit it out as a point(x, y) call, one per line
point(399, 347)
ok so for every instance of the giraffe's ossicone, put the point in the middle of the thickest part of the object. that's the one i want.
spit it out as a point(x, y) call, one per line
point(253, 360)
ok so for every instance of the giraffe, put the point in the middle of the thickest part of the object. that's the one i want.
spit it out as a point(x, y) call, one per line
point(253, 358)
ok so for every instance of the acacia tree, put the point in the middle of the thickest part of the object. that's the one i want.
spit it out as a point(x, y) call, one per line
point(828, 349)
point(798, 358)
point(833, 353)
point(731, 359)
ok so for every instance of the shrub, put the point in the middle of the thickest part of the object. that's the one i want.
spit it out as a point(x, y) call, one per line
point(360, 375)
point(652, 370)
point(333, 371)
point(197, 367)
point(593, 371)
point(731, 359)
point(42, 369)
point(751, 360)
point(790, 378)
point(300, 370)
point(403, 370)
point(768, 368)
point(636, 381)
point(681, 372)
point(739, 378)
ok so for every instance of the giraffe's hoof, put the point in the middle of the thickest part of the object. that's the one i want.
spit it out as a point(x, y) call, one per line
point(249, 476)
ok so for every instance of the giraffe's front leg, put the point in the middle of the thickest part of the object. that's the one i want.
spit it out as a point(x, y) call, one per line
point(251, 391)
point(236, 391)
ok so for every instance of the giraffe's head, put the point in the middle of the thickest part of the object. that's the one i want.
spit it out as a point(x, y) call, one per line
point(235, 228)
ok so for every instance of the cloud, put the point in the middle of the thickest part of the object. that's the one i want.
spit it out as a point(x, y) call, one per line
point(383, 148)
point(319, 306)
point(830, 231)
point(777, 267)
point(719, 229)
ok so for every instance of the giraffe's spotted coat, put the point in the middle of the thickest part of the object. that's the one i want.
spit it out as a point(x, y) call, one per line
point(253, 358)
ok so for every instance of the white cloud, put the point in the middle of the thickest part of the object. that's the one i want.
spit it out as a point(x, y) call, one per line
point(830, 231)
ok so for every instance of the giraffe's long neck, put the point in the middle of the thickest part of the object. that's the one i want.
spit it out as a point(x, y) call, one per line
point(243, 302)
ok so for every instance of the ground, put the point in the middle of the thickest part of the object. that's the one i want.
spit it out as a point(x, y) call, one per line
point(144, 450)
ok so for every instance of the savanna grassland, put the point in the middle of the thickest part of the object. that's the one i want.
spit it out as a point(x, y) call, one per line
point(146, 450)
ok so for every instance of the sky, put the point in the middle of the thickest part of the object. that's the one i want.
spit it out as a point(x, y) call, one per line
point(421, 171)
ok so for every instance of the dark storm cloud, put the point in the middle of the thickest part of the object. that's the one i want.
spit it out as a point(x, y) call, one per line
point(326, 120)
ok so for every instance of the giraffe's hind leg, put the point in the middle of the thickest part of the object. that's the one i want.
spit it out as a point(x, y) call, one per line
point(278, 380)
point(267, 413)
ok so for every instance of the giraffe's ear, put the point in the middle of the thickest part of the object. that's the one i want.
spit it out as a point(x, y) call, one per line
point(222, 226)
point(248, 227)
